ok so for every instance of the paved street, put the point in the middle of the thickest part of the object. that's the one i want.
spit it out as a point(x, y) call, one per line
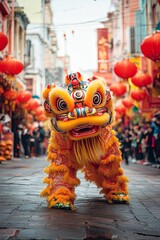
point(25, 216)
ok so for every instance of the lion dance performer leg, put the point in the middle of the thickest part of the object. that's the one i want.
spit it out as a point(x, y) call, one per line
point(81, 113)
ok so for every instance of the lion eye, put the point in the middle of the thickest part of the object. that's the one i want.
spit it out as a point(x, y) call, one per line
point(61, 104)
point(97, 99)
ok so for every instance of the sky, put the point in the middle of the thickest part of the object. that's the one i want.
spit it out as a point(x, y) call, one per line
point(83, 17)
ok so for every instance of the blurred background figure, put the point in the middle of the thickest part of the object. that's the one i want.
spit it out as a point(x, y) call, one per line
point(25, 139)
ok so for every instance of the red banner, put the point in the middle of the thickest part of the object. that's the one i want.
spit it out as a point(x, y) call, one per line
point(102, 34)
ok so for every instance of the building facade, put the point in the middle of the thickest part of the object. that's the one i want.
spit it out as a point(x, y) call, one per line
point(41, 45)
point(128, 23)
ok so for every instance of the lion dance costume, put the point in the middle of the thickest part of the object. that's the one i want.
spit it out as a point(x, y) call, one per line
point(81, 113)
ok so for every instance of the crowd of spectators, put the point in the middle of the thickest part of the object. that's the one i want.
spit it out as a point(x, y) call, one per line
point(140, 143)
point(30, 142)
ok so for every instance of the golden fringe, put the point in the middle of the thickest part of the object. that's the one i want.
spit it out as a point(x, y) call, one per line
point(113, 194)
point(52, 203)
point(53, 167)
point(120, 181)
point(62, 194)
point(45, 192)
point(112, 140)
point(111, 172)
point(89, 150)
point(111, 158)
point(62, 168)
point(51, 156)
point(48, 180)
point(71, 181)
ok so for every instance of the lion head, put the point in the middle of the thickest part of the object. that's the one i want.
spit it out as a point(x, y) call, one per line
point(78, 108)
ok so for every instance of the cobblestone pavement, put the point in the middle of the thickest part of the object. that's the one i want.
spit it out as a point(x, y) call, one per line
point(25, 216)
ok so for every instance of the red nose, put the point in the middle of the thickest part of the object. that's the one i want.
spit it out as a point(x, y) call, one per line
point(75, 82)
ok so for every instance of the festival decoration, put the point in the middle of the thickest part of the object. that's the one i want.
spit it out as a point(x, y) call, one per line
point(39, 111)
point(128, 102)
point(32, 104)
point(10, 95)
point(139, 94)
point(3, 41)
point(118, 89)
point(141, 79)
point(150, 46)
point(80, 114)
point(3, 65)
point(125, 69)
point(13, 66)
point(23, 96)
point(120, 109)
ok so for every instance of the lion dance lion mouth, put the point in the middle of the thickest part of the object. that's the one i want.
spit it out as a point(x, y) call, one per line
point(80, 114)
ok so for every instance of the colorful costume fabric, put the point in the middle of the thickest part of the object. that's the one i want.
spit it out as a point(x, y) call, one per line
point(81, 113)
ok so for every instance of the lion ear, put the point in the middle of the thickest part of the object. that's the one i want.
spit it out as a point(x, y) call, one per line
point(67, 80)
point(46, 91)
point(79, 75)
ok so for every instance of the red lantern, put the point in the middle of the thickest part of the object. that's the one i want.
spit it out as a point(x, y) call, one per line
point(138, 95)
point(141, 79)
point(125, 69)
point(127, 102)
point(10, 95)
point(41, 118)
point(23, 96)
point(39, 111)
point(32, 104)
point(3, 65)
point(13, 66)
point(120, 109)
point(118, 89)
point(3, 41)
point(150, 46)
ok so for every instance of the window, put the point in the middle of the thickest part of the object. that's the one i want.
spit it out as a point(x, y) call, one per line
point(132, 40)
